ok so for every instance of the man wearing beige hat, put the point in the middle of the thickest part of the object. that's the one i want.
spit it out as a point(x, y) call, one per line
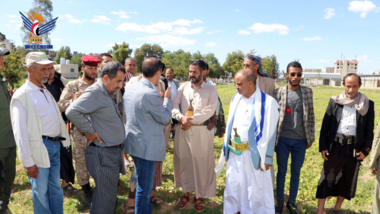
point(38, 131)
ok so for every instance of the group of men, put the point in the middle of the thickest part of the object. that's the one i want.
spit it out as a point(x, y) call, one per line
point(113, 111)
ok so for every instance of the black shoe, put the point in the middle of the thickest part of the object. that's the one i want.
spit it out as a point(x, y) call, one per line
point(292, 207)
point(88, 194)
point(279, 207)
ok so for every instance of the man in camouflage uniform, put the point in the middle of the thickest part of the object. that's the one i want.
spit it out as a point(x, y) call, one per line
point(71, 92)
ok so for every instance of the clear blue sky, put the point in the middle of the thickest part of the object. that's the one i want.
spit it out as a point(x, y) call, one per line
point(314, 32)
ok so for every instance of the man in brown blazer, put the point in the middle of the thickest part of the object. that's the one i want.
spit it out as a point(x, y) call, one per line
point(265, 84)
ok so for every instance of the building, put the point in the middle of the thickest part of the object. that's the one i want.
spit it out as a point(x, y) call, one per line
point(328, 70)
point(346, 66)
point(309, 70)
point(370, 80)
point(319, 79)
point(68, 71)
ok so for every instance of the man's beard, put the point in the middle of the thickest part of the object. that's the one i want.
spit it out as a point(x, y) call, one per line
point(87, 76)
point(290, 82)
point(197, 80)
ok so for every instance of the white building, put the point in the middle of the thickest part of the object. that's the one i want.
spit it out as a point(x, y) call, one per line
point(69, 71)
point(346, 66)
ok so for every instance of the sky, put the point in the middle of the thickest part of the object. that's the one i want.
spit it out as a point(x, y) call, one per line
point(316, 33)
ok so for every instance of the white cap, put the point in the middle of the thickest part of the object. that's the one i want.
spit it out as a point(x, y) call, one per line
point(38, 57)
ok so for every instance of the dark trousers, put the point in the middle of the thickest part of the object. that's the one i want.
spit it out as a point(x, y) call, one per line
point(8, 160)
point(104, 165)
point(339, 174)
point(67, 168)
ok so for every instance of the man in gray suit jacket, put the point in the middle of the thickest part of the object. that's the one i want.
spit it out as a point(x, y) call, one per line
point(146, 117)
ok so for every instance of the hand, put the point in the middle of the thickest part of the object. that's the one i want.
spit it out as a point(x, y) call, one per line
point(11, 92)
point(361, 156)
point(187, 121)
point(32, 171)
point(267, 166)
point(77, 95)
point(325, 153)
point(91, 138)
point(221, 134)
point(183, 127)
point(374, 171)
point(167, 92)
point(307, 145)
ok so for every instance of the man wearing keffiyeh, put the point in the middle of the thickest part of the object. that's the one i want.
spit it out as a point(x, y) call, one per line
point(345, 140)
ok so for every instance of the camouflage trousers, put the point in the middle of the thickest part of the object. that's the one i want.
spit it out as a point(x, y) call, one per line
point(79, 145)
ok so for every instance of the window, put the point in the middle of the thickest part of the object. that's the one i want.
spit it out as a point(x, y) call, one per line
point(72, 70)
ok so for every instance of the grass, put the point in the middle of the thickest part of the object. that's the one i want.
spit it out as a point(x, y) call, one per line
point(21, 199)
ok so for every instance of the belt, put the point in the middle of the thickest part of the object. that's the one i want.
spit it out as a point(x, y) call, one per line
point(120, 146)
point(53, 138)
point(202, 124)
point(345, 140)
point(240, 147)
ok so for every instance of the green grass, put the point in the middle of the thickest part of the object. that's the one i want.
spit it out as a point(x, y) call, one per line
point(21, 199)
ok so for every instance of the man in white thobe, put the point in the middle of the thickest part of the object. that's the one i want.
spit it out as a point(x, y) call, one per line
point(254, 114)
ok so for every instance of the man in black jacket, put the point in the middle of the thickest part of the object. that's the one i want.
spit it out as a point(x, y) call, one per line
point(55, 86)
point(345, 140)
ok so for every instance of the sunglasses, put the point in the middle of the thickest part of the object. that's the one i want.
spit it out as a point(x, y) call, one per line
point(294, 74)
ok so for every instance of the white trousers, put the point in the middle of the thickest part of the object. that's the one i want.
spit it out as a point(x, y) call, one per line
point(247, 190)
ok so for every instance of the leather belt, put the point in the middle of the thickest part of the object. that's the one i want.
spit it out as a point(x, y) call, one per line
point(240, 147)
point(202, 124)
point(53, 138)
point(120, 146)
point(345, 140)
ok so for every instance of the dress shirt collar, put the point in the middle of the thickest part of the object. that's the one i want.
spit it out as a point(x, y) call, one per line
point(251, 98)
point(33, 87)
point(148, 83)
point(103, 88)
point(200, 87)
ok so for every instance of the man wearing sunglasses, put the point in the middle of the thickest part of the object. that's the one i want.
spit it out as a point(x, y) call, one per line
point(265, 84)
point(295, 132)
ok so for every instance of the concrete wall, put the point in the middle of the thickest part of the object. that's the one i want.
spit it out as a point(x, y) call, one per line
point(68, 71)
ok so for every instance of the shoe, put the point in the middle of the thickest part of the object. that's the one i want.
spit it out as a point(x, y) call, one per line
point(279, 207)
point(87, 194)
point(292, 207)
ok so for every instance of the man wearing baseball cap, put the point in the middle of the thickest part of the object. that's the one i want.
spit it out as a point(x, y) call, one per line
point(7, 143)
point(38, 131)
point(72, 91)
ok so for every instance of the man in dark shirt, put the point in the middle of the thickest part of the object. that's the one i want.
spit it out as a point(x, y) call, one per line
point(162, 77)
point(55, 86)
point(7, 142)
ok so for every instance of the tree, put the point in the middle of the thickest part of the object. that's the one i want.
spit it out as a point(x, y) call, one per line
point(234, 62)
point(271, 66)
point(44, 8)
point(76, 59)
point(215, 69)
point(147, 50)
point(13, 67)
point(120, 52)
point(64, 52)
point(179, 61)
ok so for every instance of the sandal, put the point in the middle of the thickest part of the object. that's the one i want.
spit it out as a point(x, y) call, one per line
point(198, 204)
point(183, 201)
point(127, 209)
point(70, 188)
point(156, 200)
